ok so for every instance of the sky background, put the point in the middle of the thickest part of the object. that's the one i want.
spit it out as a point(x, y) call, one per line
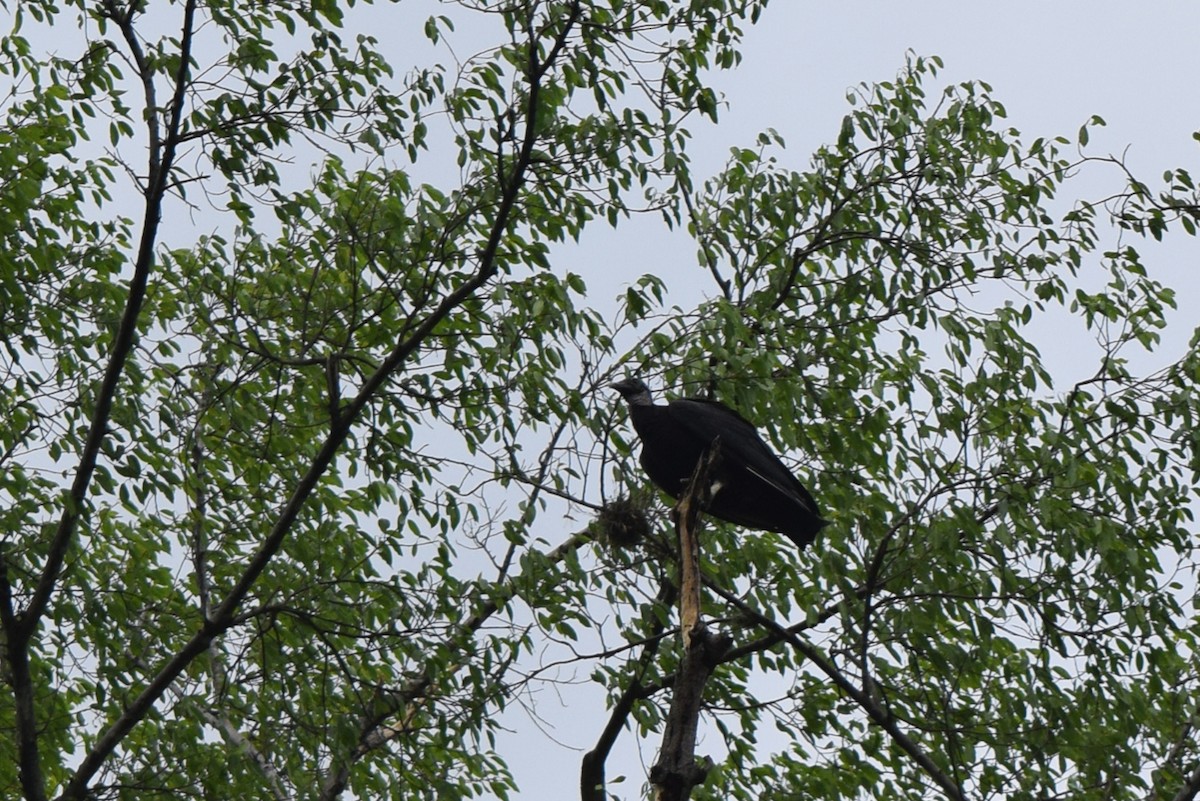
point(1052, 64)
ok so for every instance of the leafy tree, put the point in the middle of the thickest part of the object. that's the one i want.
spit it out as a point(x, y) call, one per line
point(297, 474)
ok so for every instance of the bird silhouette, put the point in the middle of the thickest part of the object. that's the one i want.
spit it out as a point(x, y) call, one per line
point(751, 486)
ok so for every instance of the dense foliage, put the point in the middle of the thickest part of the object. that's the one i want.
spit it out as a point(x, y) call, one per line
point(304, 419)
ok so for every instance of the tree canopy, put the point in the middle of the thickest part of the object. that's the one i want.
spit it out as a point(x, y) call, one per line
point(308, 472)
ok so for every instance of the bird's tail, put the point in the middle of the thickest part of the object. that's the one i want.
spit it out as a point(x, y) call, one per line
point(803, 537)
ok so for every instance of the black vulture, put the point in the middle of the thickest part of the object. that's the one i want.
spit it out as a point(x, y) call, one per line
point(753, 488)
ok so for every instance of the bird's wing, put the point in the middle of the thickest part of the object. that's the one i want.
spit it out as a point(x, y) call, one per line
point(793, 489)
point(740, 444)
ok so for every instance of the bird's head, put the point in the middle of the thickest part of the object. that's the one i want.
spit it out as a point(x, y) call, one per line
point(634, 391)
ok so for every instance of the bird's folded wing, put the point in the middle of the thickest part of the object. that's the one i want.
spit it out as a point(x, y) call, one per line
point(740, 444)
point(791, 490)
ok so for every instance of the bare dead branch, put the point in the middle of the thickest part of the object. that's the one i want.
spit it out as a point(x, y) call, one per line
point(677, 772)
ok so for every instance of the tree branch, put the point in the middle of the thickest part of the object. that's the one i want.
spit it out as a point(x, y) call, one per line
point(875, 711)
point(374, 732)
point(224, 615)
point(1190, 787)
point(374, 729)
point(21, 628)
point(160, 167)
point(591, 772)
point(19, 677)
point(676, 772)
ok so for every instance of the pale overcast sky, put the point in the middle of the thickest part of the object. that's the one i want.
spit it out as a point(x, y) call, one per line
point(1053, 64)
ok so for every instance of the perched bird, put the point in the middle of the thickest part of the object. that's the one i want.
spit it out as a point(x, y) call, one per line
point(752, 487)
